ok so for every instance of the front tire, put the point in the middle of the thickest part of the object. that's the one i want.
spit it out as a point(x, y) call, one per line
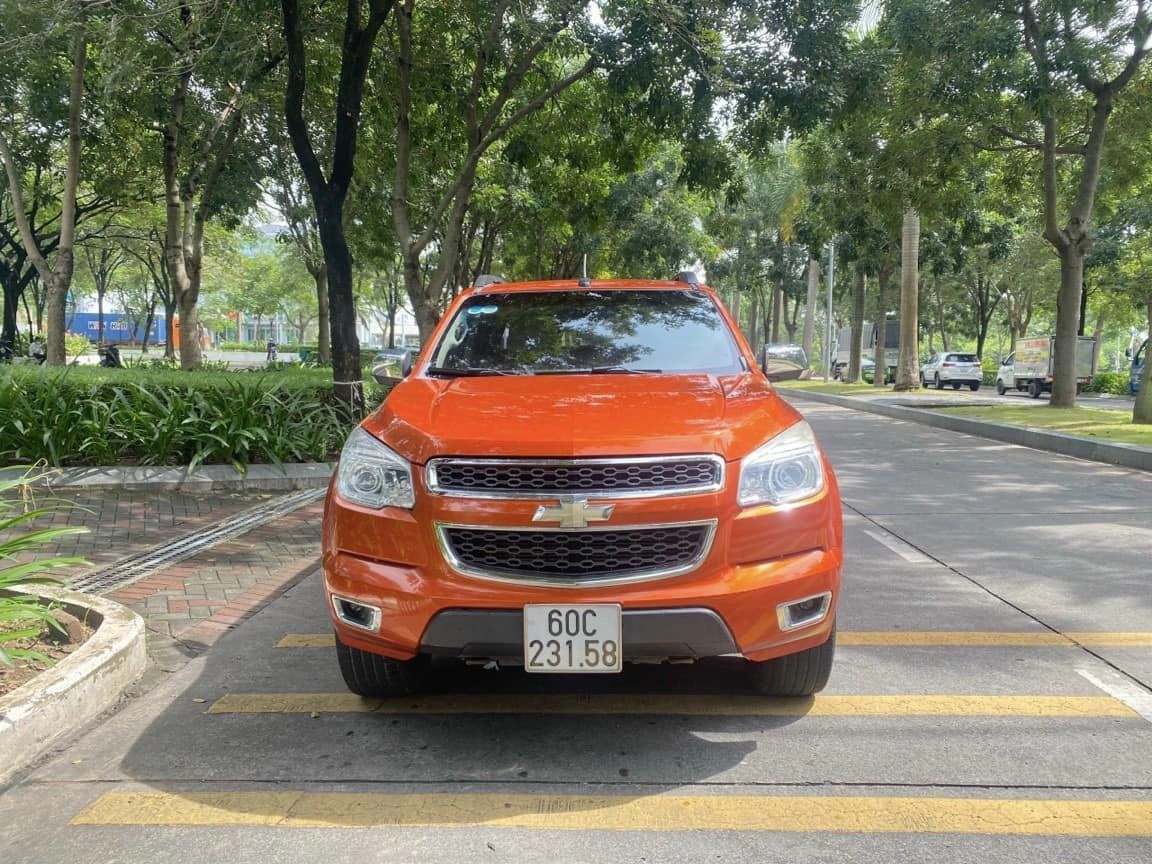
point(974, 386)
point(377, 677)
point(1000, 388)
point(939, 383)
point(800, 674)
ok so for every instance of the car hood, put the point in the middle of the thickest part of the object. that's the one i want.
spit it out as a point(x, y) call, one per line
point(580, 415)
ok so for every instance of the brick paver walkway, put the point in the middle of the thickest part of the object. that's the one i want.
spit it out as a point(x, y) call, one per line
point(204, 596)
point(122, 523)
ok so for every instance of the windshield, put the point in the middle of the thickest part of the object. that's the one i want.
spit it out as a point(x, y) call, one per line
point(963, 358)
point(541, 332)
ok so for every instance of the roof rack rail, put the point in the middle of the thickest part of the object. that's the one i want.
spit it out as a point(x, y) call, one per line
point(687, 276)
point(484, 280)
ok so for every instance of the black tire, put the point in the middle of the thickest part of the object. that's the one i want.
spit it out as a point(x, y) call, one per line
point(377, 677)
point(974, 386)
point(923, 383)
point(939, 383)
point(1034, 389)
point(800, 674)
point(1000, 388)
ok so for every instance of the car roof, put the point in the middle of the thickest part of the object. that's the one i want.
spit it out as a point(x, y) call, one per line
point(592, 285)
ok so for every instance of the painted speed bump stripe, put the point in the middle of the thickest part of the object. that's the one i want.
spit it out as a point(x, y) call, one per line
point(920, 638)
point(623, 813)
point(678, 704)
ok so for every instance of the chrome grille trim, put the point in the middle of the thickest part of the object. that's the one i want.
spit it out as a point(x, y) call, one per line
point(434, 485)
point(520, 578)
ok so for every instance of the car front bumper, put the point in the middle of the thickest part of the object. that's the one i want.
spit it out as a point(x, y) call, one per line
point(730, 610)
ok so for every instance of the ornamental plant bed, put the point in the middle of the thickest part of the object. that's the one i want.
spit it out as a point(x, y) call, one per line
point(50, 646)
point(82, 416)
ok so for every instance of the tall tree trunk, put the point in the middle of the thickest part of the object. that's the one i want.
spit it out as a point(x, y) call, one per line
point(754, 324)
point(880, 352)
point(56, 278)
point(99, 315)
point(1142, 410)
point(908, 369)
point(810, 305)
point(323, 318)
point(149, 319)
point(859, 289)
point(169, 330)
point(777, 312)
point(1067, 325)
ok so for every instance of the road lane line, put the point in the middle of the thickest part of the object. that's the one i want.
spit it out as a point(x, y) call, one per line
point(1120, 688)
point(905, 550)
point(678, 704)
point(897, 638)
point(853, 814)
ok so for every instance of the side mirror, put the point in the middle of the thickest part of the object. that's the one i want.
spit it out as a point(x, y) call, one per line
point(779, 368)
point(382, 372)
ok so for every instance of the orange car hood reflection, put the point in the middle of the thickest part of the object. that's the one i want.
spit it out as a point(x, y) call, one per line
point(580, 415)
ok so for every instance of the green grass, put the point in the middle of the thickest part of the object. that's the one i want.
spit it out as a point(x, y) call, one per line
point(1097, 423)
point(836, 388)
point(861, 388)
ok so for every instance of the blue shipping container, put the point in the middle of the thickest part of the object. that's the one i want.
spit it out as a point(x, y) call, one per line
point(117, 328)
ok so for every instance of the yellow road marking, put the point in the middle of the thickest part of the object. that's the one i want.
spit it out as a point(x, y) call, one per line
point(683, 704)
point(307, 640)
point(922, 638)
point(623, 813)
point(959, 638)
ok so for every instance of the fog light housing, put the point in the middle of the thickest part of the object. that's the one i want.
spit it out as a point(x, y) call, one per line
point(355, 613)
point(804, 612)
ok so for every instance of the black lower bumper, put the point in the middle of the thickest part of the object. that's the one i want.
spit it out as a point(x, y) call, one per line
point(648, 634)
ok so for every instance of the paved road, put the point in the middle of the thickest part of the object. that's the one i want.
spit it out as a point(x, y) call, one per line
point(968, 560)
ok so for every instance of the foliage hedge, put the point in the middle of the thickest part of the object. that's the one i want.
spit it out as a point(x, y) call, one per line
point(94, 416)
point(1109, 382)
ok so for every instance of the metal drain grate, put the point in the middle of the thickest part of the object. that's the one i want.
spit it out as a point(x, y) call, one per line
point(126, 570)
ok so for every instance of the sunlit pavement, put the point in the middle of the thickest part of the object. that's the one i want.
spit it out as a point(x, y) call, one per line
point(989, 704)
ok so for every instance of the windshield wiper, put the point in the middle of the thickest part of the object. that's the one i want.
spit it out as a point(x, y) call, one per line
point(598, 370)
point(467, 372)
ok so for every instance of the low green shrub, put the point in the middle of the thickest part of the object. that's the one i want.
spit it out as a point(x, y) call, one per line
point(24, 617)
point(1108, 382)
point(94, 416)
point(76, 346)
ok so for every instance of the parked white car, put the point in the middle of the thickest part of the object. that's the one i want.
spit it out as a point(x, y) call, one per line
point(952, 368)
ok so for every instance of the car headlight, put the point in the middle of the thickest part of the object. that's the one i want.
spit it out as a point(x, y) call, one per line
point(787, 468)
point(371, 475)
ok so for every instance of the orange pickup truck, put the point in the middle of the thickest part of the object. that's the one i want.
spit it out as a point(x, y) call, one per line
point(575, 475)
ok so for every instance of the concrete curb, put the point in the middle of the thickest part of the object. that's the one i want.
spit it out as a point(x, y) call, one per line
point(1124, 455)
point(203, 478)
point(63, 698)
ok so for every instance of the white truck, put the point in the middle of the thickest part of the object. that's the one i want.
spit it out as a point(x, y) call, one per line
point(1029, 366)
point(868, 352)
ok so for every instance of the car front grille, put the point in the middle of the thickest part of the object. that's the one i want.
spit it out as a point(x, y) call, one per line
point(601, 478)
point(577, 557)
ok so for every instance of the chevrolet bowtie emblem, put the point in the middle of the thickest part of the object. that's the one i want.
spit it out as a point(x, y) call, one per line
point(574, 513)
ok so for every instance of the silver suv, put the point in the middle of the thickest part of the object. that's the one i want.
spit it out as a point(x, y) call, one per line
point(952, 368)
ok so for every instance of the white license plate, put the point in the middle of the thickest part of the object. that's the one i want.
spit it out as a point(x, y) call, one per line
point(575, 638)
